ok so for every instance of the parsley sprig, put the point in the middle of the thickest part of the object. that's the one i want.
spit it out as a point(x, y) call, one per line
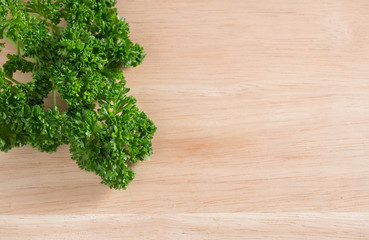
point(78, 49)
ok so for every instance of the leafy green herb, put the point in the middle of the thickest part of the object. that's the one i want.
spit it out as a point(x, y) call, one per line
point(78, 48)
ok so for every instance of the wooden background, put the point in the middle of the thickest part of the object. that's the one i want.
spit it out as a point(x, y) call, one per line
point(262, 110)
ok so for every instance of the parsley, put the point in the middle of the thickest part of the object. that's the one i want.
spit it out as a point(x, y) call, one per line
point(78, 48)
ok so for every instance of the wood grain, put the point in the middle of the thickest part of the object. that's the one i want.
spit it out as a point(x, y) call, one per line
point(262, 110)
point(206, 226)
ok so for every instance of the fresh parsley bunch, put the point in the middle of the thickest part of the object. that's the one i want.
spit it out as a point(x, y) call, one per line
point(82, 61)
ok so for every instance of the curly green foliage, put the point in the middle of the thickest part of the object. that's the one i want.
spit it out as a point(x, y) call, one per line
point(82, 61)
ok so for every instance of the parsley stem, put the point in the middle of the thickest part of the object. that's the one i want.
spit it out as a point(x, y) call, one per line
point(8, 81)
point(38, 15)
point(10, 41)
point(18, 48)
point(17, 45)
point(12, 80)
point(54, 97)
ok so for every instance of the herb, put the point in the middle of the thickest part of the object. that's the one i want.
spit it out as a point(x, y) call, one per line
point(83, 62)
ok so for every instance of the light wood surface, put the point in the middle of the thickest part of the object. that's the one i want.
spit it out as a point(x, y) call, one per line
point(312, 226)
point(262, 109)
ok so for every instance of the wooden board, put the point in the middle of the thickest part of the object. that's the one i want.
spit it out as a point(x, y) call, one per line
point(262, 109)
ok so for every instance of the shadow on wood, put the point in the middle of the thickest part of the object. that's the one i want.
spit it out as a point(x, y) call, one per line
point(39, 178)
